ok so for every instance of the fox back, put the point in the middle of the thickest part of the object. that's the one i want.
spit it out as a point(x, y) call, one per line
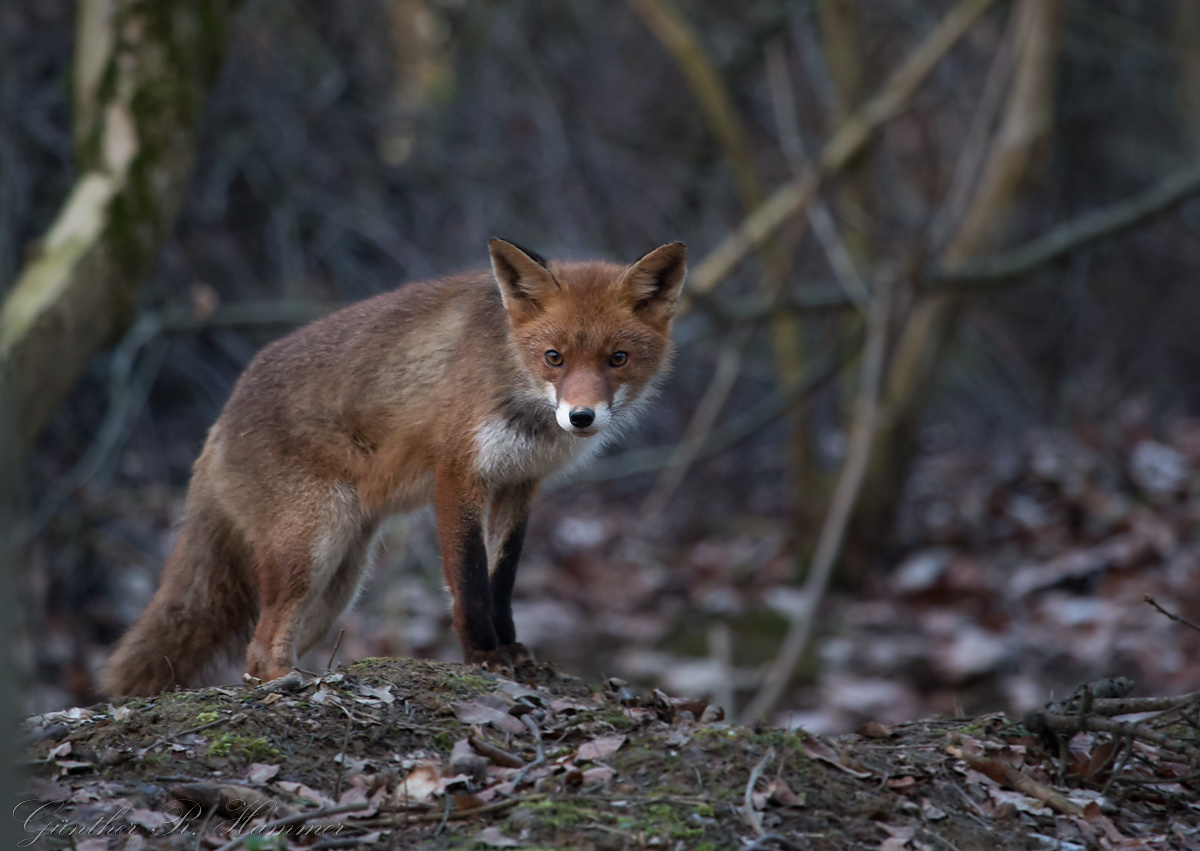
point(464, 391)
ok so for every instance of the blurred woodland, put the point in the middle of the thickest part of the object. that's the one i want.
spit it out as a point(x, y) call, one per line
point(936, 370)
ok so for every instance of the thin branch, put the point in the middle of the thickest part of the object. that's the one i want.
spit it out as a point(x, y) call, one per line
point(753, 818)
point(1080, 232)
point(783, 102)
point(850, 139)
point(845, 495)
point(1171, 615)
point(739, 428)
point(729, 365)
point(975, 146)
point(681, 40)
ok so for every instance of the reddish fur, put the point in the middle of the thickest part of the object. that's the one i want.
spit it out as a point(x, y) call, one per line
point(382, 407)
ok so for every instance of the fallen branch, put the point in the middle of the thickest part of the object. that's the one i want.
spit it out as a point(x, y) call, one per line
point(1069, 725)
point(1018, 780)
point(1134, 705)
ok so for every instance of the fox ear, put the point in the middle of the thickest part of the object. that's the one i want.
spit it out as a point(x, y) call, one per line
point(524, 280)
point(653, 283)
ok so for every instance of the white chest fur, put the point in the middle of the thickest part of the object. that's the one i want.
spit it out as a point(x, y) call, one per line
point(507, 451)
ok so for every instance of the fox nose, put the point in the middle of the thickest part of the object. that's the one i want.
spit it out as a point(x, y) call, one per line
point(582, 417)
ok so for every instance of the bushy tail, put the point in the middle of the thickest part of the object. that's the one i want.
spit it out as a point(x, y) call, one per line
point(205, 608)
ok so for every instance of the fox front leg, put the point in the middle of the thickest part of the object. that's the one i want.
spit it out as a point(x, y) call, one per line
point(459, 505)
point(508, 517)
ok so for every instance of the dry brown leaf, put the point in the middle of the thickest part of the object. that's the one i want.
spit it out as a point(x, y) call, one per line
point(814, 748)
point(600, 748)
point(873, 730)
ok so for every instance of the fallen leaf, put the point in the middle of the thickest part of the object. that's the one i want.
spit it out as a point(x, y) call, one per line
point(493, 838)
point(873, 730)
point(600, 748)
point(374, 694)
point(480, 712)
point(422, 784)
point(260, 773)
point(931, 811)
point(779, 794)
point(306, 792)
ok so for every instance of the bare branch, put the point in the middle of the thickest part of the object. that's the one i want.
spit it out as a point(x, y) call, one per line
point(854, 133)
point(845, 495)
point(1080, 232)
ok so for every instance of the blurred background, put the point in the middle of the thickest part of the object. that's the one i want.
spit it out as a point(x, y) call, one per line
point(930, 437)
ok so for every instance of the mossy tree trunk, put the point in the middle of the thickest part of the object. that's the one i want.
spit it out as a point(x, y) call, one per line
point(142, 69)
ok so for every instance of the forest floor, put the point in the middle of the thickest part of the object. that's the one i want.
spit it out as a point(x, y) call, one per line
point(422, 754)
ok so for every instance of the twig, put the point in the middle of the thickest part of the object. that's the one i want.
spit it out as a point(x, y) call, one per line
point(748, 812)
point(783, 102)
point(970, 158)
point(204, 825)
point(298, 818)
point(1077, 233)
point(336, 646)
point(495, 754)
point(845, 495)
point(541, 753)
point(698, 429)
point(445, 816)
point(1133, 705)
point(1018, 780)
point(849, 140)
point(337, 789)
point(1171, 615)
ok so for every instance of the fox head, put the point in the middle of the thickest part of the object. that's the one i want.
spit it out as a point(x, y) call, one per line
point(593, 335)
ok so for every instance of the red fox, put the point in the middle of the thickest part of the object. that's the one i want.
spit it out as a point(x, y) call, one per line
point(464, 391)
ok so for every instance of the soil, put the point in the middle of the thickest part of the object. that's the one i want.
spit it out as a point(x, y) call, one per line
point(398, 753)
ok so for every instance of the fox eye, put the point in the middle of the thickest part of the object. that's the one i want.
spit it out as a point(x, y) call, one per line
point(618, 359)
point(554, 358)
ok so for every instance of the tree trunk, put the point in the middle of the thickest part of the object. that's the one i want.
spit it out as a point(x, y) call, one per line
point(141, 72)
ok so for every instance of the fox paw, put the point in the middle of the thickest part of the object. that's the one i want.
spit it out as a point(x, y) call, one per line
point(505, 659)
point(519, 653)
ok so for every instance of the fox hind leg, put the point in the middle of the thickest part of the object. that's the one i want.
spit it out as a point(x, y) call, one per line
point(306, 580)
